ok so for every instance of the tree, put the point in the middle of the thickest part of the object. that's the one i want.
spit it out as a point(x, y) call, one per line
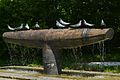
point(46, 12)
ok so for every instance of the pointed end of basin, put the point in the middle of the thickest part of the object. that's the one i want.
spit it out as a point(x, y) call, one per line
point(110, 34)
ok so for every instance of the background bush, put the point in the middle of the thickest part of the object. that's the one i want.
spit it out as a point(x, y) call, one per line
point(46, 12)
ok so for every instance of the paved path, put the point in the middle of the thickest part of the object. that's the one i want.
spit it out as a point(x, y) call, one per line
point(24, 75)
point(28, 73)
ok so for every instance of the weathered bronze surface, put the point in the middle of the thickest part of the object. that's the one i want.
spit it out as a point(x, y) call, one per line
point(58, 38)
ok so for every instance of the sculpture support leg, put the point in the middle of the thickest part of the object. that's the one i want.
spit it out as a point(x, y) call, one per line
point(51, 60)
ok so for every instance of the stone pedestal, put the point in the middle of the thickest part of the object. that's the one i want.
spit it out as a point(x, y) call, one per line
point(51, 60)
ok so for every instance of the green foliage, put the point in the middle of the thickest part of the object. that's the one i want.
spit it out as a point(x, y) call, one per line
point(114, 69)
point(15, 12)
point(46, 12)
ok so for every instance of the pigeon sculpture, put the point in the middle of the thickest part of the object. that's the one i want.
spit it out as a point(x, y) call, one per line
point(78, 24)
point(58, 24)
point(21, 26)
point(63, 22)
point(87, 24)
point(27, 27)
point(37, 25)
point(102, 23)
point(10, 28)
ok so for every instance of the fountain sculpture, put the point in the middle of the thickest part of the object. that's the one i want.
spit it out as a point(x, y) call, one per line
point(52, 40)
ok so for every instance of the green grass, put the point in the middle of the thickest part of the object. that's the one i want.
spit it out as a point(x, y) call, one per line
point(114, 69)
point(91, 78)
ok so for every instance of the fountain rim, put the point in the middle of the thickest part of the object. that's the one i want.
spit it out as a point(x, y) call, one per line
point(102, 37)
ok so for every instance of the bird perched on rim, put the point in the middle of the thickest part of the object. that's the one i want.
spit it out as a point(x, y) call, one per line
point(27, 26)
point(78, 24)
point(58, 24)
point(63, 22)
point(102, 23)
point(87, 24)
point(37, 25)
point(10, 28)
point(21, 26)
